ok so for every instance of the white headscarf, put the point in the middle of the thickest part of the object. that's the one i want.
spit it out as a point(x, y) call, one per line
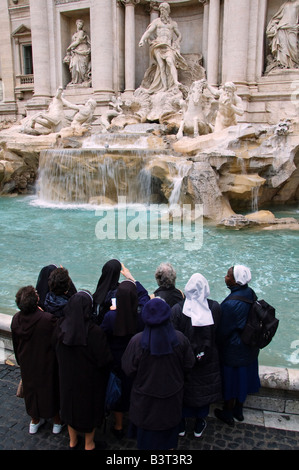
point(242, 274)
point(196, 304)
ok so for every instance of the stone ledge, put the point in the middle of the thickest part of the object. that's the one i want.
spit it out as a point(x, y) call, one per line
point(279, 378)
point(5, 321)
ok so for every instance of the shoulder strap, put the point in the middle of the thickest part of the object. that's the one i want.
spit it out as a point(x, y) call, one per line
point(243, 299)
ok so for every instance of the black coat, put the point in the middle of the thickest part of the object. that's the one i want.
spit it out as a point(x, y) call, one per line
point(32, 336)
point(203, 385)
point(171, 295)
point(83, 372)
point(158, 383)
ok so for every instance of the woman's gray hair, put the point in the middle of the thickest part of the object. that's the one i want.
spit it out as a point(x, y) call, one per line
point(165, 275)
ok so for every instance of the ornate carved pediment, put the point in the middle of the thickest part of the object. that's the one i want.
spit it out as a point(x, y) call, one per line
point(21, 31)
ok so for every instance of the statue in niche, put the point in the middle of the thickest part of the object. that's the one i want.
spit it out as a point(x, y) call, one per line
point(282, 32)
point(78, 57)
point(164, 39)
point(198, 110)
point(230, 105)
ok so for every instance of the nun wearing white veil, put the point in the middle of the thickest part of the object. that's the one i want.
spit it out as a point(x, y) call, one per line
point(239, 362)
point(198, 317)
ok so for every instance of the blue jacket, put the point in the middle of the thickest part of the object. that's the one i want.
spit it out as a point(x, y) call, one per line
point(233, 352)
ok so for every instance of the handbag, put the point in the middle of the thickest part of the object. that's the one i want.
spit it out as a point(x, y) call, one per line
point(113, 392)
point(20, 391)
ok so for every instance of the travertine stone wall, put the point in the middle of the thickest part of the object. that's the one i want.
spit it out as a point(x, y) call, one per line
point(230, 35)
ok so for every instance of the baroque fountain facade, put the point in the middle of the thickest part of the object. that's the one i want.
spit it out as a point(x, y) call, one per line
point(186, 101)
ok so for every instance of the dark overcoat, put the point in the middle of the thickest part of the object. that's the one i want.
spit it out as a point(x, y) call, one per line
point(158, 383)
point(203, 385)
point(83, 375)
point(32, 336)
point(234, 352)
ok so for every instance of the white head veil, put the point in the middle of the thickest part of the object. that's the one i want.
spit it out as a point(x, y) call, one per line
point(242, 274)
point(196, 304)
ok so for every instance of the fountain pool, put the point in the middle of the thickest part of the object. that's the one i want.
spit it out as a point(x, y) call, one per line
point(34, 234)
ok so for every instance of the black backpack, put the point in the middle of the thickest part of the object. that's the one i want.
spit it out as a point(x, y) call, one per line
point(261, 323)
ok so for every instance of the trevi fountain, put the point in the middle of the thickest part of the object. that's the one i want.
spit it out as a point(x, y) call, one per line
point(177, 143)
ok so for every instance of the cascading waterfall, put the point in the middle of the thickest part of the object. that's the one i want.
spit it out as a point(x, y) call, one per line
point(253, 179)
point(182, 169)
point(81, 176)
point(103, 175)
point(254, 198)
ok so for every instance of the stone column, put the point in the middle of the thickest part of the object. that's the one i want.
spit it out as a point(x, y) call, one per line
point(154, 10)
point(7, 68)
point(130, 45)
point(154, 14)
point(213, 43)
point(40, 49)
point(235, 41)
point(262, 14)
point(205, 32)
point(102, 48)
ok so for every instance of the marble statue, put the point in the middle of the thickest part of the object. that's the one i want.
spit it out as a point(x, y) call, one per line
point(164, 39)
point(78, 57)
point(84, 113)
point(230, 105)
point(197, 110)
point(114, 110)
point(282, 32)
point(52, 120)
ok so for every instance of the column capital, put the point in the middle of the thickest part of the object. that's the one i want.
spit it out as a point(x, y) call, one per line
point(204, 2)
point(153, 6)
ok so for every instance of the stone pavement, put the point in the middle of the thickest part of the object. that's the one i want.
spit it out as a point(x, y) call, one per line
point(14, 423)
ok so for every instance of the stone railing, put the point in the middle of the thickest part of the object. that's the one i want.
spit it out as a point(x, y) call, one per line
point(24, 83)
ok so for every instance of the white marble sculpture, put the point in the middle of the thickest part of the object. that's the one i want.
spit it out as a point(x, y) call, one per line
point(164, 39)
point(55, 119)
point(84, 113)
point(78, 56)
point(282, 32)
point(114, 110)
point(52, 120)
point(197, 110)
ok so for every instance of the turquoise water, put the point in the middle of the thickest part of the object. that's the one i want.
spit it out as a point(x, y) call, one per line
point(33, 235)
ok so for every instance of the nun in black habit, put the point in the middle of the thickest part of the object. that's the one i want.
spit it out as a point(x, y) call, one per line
point(84, 360)
point(157, 360)
point(106, 289)
point(42, 284)
point(120, 325)
point(32, 335)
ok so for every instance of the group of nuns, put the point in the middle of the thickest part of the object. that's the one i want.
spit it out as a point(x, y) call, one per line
point(173, 360)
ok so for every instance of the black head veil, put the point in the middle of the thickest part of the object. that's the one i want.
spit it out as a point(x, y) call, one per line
point(126, 309)
point(42, 285)
point(108, 280)
point(75, 322)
